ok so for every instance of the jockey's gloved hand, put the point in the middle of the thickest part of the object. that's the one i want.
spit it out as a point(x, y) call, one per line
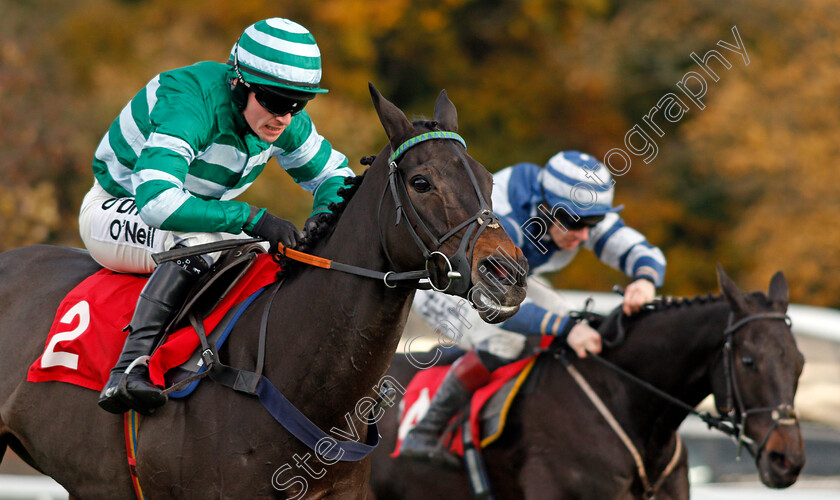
point(312, 223)
point(637, 294)
point(583, 338)
point(276, 230)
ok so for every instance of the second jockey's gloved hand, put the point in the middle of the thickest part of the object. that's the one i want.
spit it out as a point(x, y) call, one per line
point(276, 230)
point(583, 338)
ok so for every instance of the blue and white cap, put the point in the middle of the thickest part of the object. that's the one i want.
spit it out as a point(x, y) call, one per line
point(580, 181)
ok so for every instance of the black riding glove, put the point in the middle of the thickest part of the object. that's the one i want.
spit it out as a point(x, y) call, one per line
point(276, 230)
point(312, 223)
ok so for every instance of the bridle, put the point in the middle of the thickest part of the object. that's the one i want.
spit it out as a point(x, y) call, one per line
point(782, 415)
point(733, 421)
point(457, 268)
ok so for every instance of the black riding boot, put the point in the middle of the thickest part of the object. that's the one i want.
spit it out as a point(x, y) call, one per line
point(467, 375)
point(162, 296)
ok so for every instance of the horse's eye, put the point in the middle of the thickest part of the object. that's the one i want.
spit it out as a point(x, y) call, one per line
point(748, 361)
point(420, 184)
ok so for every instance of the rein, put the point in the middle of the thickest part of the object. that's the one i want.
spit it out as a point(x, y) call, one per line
point(458, 266)
point(315, 261)
point(729, 424)
point(295, 255)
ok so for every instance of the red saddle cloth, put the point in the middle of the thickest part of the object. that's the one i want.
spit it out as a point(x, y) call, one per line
point(424, 385)
point(87, 334)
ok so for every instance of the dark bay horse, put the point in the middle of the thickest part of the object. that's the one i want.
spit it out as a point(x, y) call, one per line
point(330, 339)
point(557, 445)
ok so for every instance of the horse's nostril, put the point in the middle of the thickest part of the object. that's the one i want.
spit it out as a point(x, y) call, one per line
point(779, 459)
point(498, 271)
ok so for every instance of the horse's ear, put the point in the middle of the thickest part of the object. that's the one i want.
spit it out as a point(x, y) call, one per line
point(779, 292)
point(393, 120)
point(445, 113)
point(730, 290)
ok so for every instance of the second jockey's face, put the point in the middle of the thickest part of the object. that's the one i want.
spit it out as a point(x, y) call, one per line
point(266, 125)
point(570, 239)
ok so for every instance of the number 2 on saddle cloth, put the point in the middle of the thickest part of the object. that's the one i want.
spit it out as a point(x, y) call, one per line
point(87, 335)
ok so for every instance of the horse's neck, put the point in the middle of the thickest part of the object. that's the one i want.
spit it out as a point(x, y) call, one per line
point(673, 349)
point(348, 329)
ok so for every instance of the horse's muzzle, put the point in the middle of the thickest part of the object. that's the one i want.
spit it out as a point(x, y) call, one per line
point(498, 286)
point(783, 457)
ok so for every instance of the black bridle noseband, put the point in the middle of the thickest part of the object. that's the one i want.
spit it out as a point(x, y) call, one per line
point(458, 268)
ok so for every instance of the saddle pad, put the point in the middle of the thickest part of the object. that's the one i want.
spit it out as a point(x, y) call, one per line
point(424, 385)
point(86, 337)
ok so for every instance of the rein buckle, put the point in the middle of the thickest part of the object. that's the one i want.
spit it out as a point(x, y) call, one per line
point(208, 358)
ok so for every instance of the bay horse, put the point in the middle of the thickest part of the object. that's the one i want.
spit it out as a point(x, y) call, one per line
point(330, 338)
point(556, 444)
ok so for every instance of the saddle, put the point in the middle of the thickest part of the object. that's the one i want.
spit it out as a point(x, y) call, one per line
point(487, 411)
point(87, 334)
point(486, 414)
point(205, 297)
point(214, 285)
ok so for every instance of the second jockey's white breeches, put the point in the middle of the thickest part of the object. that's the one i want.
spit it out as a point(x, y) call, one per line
point(451, 320)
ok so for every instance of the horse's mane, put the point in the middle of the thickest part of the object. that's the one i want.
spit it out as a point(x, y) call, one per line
point(671, 302)
point(423, 122)
point(608, 325)
point(325, 222)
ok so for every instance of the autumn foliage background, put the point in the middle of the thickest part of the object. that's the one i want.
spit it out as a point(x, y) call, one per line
point(748, 182)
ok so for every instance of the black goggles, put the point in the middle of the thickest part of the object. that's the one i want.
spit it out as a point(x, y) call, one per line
point(570, 223)
point(277, 104)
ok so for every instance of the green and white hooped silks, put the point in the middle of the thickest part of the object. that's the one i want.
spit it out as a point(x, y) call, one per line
point(279, 53)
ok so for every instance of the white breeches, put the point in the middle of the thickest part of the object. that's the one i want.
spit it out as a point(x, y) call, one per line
point(118, 239)
point(453, 321)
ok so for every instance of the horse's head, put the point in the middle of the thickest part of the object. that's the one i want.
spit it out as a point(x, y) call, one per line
point(756, 379)
point(440, 199)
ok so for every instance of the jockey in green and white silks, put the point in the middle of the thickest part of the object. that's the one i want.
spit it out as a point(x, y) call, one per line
point(168, 171)
point(183, 150)
point(550, 212)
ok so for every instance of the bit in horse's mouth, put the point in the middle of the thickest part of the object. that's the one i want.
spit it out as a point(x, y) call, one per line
point(486, 303)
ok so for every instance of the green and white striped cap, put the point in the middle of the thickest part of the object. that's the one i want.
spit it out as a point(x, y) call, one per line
point(279, 53)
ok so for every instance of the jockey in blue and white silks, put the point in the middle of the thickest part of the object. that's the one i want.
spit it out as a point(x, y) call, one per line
point(550, 212)
point(572, 184)
point(517, 193)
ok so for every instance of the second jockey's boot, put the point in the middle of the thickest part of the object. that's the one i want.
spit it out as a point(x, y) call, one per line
point(161, 298)
point(466, 376)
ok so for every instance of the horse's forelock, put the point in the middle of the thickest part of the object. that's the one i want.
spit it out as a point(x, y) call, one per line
point(426, 123)
point(759, 298)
